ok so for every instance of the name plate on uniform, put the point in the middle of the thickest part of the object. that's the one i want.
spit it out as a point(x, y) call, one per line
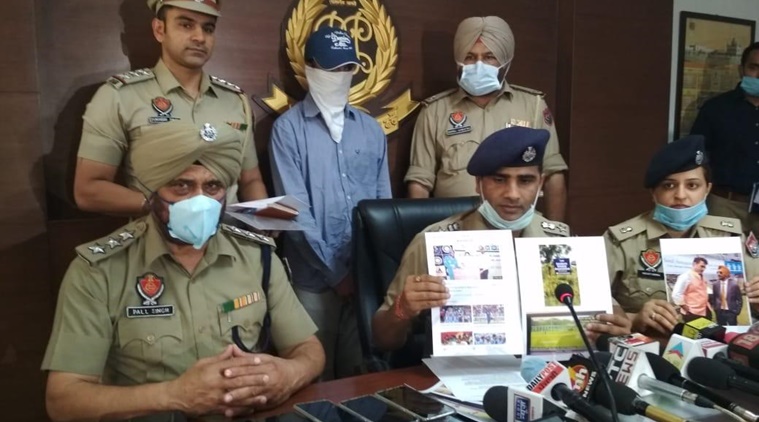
point(651, 274)
point(150, 311)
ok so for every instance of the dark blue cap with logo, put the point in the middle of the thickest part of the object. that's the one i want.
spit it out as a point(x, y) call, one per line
point(514, 146)
point(676, 157)
point(331, 48)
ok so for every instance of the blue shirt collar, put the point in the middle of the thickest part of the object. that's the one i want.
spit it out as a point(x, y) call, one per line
point(311, 110)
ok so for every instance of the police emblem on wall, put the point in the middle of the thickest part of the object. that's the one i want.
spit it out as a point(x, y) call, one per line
point(374, 36)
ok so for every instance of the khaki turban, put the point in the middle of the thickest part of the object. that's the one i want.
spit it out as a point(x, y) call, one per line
point(162, 152)
point(494, 33)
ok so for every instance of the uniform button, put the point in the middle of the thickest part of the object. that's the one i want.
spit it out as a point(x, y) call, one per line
point(150, 339)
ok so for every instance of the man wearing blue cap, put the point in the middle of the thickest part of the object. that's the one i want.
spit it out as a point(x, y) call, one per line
point(331, 156)
point(508, 172)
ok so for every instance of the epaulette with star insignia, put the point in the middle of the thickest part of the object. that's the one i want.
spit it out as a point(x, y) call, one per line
point(725, 224)
point(248, 235)
point(555, 228)
point(226, 84)
point(110, 245)
point(528, 90)
point(628, 229)
point(438, 96)
point(133, 76)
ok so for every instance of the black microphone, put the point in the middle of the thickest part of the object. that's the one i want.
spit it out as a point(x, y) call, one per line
point(667, 372)
point(714, 374)
point(632, 404)
point(496, 405)
point(565, 294)
point(740, 369)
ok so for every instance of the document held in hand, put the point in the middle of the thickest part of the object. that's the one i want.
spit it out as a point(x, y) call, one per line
point(278, 213)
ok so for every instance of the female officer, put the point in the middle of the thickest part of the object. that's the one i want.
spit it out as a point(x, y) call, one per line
point(679, 179)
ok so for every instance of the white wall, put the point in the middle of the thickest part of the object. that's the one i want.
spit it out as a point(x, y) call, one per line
point(742, 9)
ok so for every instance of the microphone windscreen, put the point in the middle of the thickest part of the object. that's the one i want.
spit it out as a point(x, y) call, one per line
point(678, 328)
point(531, 367)
point(563, 290)
point(623, 397)
point(602, 343)
point(603, 358)
point(663, 369)
point(709, 372)
point(496, 403)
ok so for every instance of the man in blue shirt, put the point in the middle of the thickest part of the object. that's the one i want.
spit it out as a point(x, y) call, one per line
point(730, 124)
point(329, 155)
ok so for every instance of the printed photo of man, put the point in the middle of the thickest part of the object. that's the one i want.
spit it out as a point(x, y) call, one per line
point(690, 292)
point(727, 300)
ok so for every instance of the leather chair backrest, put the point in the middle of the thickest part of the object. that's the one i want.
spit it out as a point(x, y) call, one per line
point(382, 228)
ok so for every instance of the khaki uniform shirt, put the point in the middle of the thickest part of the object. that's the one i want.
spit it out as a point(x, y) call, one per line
point(451, 126)
point(93, 333)
point(415, 257)
point(634, 256)
point(128, 102)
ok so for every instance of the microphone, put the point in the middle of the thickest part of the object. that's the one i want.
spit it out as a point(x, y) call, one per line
point(743, 348)
point(552, 379)
point(505, 404)
point(565, 294)
point(680, 351)
point(631, 404)
point(648, 382)
point(626, 365)
point(607, 343)
point(714, 374)
point(583, 374)
point(701, 328)
point(665, 371)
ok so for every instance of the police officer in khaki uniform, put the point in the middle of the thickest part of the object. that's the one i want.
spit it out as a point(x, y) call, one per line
point(452, 124)
point(159, 316)
point(507, 175)
point(679, 179)
point(175, 89)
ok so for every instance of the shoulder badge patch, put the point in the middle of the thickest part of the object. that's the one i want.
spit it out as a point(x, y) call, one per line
point(226, 84)
point(528, 90)
point(133, 76)
point(438, 96)
point(248, 235)
point(112, 244)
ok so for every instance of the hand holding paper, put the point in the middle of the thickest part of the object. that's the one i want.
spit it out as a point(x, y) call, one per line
point(422, 292)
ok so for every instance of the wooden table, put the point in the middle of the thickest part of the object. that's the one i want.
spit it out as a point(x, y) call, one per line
point(418, 377)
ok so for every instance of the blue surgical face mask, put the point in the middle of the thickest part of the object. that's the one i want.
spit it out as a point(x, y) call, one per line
point(750, 86)
point(194, 220)
point(479, 79)
point(680, 219)
point(491, 216)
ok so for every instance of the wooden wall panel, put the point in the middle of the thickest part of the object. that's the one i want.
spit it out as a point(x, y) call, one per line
point(619, 94)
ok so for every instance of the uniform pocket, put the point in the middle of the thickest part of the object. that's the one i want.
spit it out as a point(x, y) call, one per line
point(639, 290)
point(145, 342)
point(249, 321)
point(456, 156)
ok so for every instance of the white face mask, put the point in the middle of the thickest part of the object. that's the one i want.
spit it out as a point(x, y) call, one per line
point(330, 93)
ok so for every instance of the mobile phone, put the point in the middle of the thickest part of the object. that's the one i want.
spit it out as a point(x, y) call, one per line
point(423, 407)
point(326, 411)
point(377, 410)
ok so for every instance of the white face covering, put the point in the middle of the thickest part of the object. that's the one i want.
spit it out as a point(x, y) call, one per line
point(330, 93)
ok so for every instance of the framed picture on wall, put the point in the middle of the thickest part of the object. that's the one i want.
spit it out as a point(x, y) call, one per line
point(709, 53)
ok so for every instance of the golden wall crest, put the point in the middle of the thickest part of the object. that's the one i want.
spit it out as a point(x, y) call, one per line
point(374, 36)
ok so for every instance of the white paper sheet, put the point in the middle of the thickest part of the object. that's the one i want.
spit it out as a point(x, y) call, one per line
point(482, 316)
point(468, 378)
point(545, 262)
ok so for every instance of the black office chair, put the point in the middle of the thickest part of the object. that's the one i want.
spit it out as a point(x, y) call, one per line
point(382, 228)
